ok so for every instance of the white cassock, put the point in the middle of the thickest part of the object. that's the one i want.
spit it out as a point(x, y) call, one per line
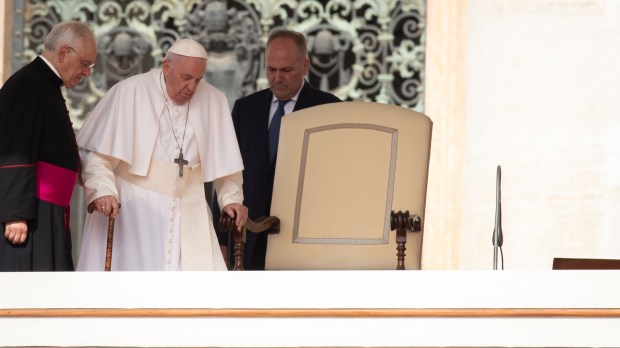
point(130, 147)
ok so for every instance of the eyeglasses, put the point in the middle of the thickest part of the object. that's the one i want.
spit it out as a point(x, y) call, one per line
point(85, 64)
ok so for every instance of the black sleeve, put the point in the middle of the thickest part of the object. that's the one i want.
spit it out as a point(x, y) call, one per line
point(20, 132)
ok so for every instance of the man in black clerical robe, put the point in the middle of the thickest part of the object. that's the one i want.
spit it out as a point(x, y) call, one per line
point(39, 161)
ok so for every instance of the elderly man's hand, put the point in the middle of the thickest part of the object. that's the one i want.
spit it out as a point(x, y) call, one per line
point(107, 205)
point(239, 211)
point(16, 231)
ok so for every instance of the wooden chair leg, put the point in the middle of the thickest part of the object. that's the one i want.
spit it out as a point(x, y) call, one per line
point(402, 223)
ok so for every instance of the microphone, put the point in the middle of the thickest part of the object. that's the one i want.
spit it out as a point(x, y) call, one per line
point(498, 239)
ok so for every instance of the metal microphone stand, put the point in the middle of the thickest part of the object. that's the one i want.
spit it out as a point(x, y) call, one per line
point(497, 232)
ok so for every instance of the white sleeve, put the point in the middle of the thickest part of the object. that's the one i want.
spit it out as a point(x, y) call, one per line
point(98, 175)
point(229, 189)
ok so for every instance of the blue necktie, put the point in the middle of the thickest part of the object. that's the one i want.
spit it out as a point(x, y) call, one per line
point(274, 129)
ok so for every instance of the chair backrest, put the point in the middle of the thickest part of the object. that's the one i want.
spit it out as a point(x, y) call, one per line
point(342, 169)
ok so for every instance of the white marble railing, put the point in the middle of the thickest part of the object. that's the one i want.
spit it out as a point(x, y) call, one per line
point(312, 309)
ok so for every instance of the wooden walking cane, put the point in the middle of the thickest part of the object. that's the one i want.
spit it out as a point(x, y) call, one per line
point(108, 247)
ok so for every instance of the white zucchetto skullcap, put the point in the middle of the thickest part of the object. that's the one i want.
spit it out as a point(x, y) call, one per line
point(188, 48)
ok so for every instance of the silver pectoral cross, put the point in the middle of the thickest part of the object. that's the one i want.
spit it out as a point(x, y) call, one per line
point(181, 162)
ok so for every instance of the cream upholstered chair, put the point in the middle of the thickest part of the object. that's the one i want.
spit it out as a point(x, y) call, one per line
point(348, 174)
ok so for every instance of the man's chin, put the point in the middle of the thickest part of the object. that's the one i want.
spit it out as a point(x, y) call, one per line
point(73, 83)
point(281, 94)
point(181, 100)
point(282, 97)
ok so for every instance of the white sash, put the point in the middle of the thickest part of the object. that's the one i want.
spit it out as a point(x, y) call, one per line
point(197, 234)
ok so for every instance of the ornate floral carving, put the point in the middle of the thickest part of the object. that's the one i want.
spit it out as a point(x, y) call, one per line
point(359, 49)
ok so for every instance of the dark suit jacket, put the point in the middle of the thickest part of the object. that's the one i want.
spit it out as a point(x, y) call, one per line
point(251, 117)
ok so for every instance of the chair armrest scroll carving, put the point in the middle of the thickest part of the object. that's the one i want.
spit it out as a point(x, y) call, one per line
point(403, 223)
point(269, 224)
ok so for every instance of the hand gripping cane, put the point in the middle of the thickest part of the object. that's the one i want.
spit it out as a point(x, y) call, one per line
point(108, 247)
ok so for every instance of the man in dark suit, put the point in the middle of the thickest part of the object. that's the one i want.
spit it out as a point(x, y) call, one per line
point(39, 161)
point(286, 63)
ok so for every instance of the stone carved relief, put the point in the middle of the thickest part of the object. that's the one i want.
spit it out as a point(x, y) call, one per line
point(359, 49)
point(231, 35)
point(123, 52)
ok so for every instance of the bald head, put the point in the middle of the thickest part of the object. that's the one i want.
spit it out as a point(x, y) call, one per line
point(298, 39)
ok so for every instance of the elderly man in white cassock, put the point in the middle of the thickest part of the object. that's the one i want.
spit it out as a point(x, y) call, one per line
point(148, 146)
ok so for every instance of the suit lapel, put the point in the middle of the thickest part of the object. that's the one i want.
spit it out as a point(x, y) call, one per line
point(305, 97)
point(265, 108)
point(262, 111)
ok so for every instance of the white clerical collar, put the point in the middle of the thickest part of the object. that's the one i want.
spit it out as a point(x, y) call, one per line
point(51, 66)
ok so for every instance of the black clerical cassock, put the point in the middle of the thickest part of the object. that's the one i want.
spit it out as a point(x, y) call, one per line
point(39, 164)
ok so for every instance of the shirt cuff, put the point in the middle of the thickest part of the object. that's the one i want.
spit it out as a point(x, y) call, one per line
point(98, 175)
point(229, 189)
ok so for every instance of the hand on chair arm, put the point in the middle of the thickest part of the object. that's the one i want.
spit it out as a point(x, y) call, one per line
point(229, 191)
point(238, 212)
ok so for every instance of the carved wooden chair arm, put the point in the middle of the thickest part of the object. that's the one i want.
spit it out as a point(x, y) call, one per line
point(268, 224)
point(400, 221)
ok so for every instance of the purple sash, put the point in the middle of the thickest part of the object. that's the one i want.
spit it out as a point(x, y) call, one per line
point(55, 184)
